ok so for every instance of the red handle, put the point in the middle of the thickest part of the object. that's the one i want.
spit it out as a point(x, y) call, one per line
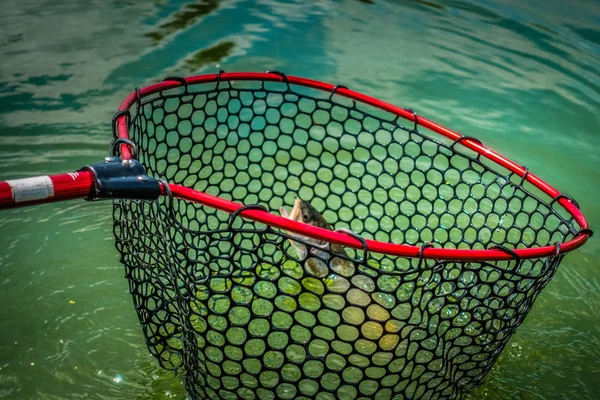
point(45, 189)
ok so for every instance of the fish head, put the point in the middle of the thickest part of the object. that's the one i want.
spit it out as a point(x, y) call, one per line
point(306, 213)
point(310, 215)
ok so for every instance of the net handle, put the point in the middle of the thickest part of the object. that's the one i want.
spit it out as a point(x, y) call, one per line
point(45, 189)
point(79, 185)
point(93, 182)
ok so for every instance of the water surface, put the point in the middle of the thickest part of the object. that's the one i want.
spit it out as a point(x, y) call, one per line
point(524, 78)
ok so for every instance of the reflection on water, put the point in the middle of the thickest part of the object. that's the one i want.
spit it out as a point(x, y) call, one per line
point(180, 20)
point(429, 4)
point(210, 56)
point(521, 77)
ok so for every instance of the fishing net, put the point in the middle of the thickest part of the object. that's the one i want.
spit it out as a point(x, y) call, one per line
point(230, 301)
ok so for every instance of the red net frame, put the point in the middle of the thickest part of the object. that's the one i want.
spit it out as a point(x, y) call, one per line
point(68, 187)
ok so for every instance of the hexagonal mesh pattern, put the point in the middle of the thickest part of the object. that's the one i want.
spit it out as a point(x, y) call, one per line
point(230, 302)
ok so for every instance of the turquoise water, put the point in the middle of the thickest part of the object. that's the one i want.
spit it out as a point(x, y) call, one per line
point(522, 78)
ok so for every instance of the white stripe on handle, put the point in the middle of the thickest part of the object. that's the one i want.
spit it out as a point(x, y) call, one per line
point(29, 189)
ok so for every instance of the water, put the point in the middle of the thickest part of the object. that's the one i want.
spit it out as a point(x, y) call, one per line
point(523, 78)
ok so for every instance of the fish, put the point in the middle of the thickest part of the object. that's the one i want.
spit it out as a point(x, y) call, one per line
point(337, 272)
point(318, 264)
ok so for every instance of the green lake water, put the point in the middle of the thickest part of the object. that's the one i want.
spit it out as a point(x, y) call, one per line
point(523, 77)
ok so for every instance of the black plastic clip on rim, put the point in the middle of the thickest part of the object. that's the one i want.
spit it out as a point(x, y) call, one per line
point(361, 239)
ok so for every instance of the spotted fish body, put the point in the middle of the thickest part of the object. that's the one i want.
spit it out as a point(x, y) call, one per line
point(316, 263)
point(337, 272)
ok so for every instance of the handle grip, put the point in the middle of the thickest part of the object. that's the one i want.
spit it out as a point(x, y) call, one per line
point(45, 189)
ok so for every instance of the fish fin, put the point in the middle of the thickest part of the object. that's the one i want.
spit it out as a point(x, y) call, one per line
point(284, 212)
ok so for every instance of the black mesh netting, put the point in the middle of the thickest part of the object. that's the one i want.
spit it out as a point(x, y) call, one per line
point(232, 304)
